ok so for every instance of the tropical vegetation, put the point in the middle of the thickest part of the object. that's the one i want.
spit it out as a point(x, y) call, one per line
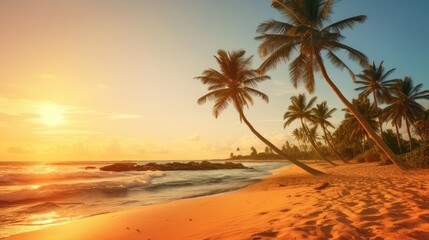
point(307, 40)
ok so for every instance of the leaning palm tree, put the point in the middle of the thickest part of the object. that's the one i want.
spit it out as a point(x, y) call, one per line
point(375, 83)
point(305, 32)
point(301, 110)
point(321, 114)
point(421, 127)
point(235, 84)
point(404, 105)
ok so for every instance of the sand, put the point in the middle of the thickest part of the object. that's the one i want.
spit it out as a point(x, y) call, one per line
point(362, 201)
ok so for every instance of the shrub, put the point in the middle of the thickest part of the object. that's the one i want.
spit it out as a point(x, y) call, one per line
point(418, 158)
point(372, 155)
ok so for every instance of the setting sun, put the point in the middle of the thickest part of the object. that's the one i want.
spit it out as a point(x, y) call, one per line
point(190, 120)
point(52, 114)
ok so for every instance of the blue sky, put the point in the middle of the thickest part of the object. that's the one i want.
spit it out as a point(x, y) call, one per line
point(120, 74)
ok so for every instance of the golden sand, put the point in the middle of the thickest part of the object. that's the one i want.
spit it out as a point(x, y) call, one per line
point(362, 201)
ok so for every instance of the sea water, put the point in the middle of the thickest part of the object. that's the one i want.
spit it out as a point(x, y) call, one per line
point(34, 195)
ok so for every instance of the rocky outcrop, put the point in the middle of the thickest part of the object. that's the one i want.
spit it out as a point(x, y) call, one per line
point(174, 166)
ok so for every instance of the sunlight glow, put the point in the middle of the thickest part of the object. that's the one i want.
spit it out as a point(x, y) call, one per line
point(52, 114)
point(45, 218)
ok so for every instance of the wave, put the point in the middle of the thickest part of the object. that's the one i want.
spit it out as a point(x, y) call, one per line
point(51, 191)
point(34, 178)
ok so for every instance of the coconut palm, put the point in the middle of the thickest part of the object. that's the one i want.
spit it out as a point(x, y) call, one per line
point(321, 114)
point(235, 84)
point(421, 127)
point(404, 106)
point(375, 83)
point(306, 33)
point(396, 120)
point(369, 112)
point(298, 135)
point(300, 109)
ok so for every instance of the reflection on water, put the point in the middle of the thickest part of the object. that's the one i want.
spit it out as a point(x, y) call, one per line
point(46, 218)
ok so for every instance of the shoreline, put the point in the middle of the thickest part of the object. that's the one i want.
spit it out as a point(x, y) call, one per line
point(362, 201)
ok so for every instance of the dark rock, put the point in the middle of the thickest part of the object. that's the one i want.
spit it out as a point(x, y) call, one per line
point(90, 167)
point(322, 186)
point(174, 166)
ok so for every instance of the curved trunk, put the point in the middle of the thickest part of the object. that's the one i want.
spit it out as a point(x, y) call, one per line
point(316, 148)
point(278, 151)
point(409, 134)
point(330, 145)
point(398, 138)
point(382, 145)
point(378, 115)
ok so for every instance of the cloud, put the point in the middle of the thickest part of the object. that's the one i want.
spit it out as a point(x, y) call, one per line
point(5, 117)
point(125, 116)
point(17, 150)
point(194, 138)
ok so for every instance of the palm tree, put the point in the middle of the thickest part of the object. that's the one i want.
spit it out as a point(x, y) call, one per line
point(235, 84)
point(299, 109)
point(306, 33)
point(369, 112)
point(375, 82)
point(396, 120)
point(298, 135)
point(421, 127)
point(404, 105)
point(321, 114)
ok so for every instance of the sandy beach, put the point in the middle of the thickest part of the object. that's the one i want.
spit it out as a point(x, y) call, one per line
point(362, 201)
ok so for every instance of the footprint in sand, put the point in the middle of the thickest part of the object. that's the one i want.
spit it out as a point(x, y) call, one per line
point(267, 233)
point(369, 211)
point(424, 217)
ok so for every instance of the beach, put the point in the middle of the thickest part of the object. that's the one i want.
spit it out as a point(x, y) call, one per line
point(362, 201)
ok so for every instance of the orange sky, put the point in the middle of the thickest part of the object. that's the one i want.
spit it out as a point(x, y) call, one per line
point(104, 80)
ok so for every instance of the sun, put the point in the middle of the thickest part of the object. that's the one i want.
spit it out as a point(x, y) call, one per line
point(52, 114)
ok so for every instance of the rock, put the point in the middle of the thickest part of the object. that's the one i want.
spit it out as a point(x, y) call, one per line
point(322, 186)
point(90, 167)
point(174, 166)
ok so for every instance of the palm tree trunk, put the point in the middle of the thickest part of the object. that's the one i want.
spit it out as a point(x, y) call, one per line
point(409, 134)
point(278, 151)
point(330, 145)
point(382, 145)
point(316, 148)
point(398, 138)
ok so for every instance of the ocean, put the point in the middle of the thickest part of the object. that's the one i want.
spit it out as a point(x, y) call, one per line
point(35, 195)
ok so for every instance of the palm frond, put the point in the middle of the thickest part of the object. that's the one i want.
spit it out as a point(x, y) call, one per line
point(345, 23)
point(273, 26)
point(336, 61)
point(352, 53)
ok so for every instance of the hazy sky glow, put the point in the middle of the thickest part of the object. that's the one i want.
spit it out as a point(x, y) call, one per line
point(107, 79)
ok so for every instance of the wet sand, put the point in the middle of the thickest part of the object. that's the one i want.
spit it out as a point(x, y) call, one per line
point(362, 201)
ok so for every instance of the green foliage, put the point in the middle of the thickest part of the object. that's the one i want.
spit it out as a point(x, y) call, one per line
point(419, 158)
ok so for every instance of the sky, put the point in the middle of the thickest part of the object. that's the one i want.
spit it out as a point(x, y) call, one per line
point(114, 80)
